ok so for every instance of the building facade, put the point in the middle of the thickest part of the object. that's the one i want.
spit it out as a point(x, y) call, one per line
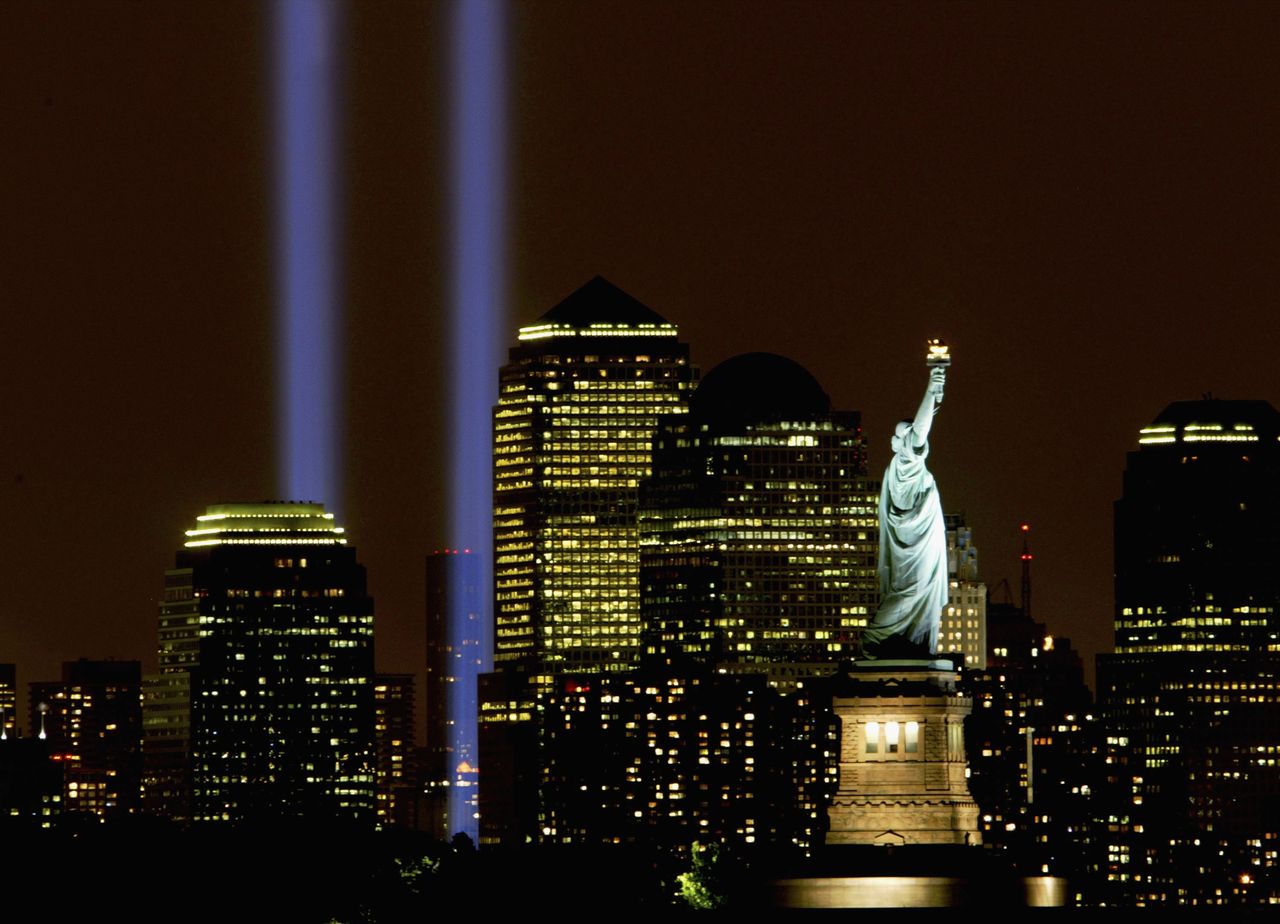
point(1191, 697)
point(92, 721)
point(166, 714)
point(758, 528)
point(667, 757)
point(265, 696)
point(963, 627)
point(578, 404)
point(660, 756)
point(1035, 747)
point(394, 697)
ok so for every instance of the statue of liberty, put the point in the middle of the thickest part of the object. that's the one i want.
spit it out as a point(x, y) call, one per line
point(913, 536)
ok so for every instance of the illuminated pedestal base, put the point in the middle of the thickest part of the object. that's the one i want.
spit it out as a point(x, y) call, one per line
point(902, 763)
point(981, 886)
point(902, 824)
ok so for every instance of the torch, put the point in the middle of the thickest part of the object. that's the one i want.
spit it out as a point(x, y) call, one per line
point(937, 357)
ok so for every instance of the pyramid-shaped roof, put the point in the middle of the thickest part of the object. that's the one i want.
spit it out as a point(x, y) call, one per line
point(600, 302)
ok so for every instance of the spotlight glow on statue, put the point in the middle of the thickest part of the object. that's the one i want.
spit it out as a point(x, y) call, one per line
point(913, 535)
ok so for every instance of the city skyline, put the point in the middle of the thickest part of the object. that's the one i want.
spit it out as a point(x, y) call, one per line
point(1082, 202)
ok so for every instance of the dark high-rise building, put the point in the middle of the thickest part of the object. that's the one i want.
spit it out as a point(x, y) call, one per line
point(758, 528)
point(1191, 697)
point(1196, 543)
point(92, 721)
point(30, 784)
point(393, 726)
point(458, 651)
point(578, 403)
point(265, 696)
point(1034, 745)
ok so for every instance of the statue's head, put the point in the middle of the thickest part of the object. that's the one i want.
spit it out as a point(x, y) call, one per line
point(900, 435)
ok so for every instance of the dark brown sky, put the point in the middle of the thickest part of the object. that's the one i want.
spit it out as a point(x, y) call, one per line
point(1082, 199)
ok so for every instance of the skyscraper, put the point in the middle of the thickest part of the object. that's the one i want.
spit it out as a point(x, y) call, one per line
point(266, 656)
point(758, 529)
point(578, 404)
point(1196, 545)
point(1191, 698)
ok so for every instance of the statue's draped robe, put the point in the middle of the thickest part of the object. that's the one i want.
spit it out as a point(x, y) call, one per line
point(913, 553)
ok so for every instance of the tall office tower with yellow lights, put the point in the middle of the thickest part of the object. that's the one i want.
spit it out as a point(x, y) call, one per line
point(265, 696)
point(578, 403)
point(758, 529)
point(1191, 697)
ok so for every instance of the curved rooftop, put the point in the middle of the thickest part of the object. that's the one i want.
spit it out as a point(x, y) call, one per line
point(265, 523)
point(1212, 421)
point(758, 388)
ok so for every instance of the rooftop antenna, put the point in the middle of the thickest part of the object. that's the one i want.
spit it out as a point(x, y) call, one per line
point(1026, 572)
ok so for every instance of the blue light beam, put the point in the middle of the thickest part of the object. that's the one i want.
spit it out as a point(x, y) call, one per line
point(309, 315)
point(478, 275)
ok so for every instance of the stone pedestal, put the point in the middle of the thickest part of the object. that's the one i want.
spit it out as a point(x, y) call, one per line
point(902, 761)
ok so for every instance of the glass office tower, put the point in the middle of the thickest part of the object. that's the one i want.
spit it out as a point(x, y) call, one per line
point(578, 404)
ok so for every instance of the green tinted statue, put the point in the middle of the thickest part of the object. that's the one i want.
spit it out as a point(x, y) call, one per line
point(913, 536)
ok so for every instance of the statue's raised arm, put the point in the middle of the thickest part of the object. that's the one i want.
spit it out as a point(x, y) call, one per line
point(913, 535)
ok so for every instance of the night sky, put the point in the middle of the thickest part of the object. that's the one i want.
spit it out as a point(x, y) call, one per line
point(1083, 200)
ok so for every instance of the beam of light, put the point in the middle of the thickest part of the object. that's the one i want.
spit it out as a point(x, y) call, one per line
point(306, 199)
point(477, 178)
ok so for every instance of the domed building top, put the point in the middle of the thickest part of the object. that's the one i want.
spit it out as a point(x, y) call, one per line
point(1213, 421)
point(758, 388)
